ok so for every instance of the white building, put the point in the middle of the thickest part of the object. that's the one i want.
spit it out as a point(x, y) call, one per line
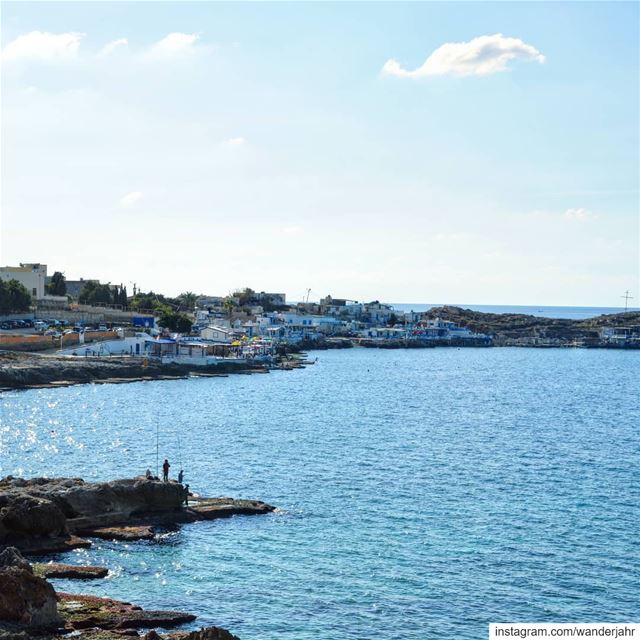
point(217, 334)
point(32, 276)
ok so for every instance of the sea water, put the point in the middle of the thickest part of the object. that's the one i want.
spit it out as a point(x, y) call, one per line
point(570, 313)
point(421, 494)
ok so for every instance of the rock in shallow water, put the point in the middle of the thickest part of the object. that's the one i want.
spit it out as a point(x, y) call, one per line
point(84, 612)
point(78, 572)
point(210, 633)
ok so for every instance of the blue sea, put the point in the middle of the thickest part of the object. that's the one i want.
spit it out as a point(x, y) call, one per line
point(572, 313)
point(422, 494)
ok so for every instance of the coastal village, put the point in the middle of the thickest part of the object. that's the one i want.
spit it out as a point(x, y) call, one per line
point(46, 313)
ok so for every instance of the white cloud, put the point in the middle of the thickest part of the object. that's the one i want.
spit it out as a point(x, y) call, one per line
point(111, 46)
point(131, 199)
point(40, 45)
point(171, 46)
point(481, 56)
point(578, 214)
point(236, 142)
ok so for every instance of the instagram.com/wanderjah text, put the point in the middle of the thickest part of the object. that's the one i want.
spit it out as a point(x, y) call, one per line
point(551, 630)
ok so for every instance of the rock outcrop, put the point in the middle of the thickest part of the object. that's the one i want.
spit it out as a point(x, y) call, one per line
point(83, 612)
point(23, 370)
point(25, 599)
point(72, 571)
point(516, 329)
point(210, 633)
point(32, 511)
point(43, 515)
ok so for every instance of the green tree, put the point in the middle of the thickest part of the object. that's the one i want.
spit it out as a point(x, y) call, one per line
point(95, 293)
point(228, 304)
point(58, 284)
point(14, 297)
point(148, 301)
point(174, 320)
point(188, 300)
point(246, 296)
point(393, 320)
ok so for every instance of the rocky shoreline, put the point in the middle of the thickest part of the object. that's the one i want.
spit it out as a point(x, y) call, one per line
point(522, 330)
point(35, 371)
point(41, 516)
point(28, 370)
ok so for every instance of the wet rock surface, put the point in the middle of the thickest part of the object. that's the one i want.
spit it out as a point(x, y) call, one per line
point(83, 612)
point(142, 532)
point(72, 571)
point(210, 633)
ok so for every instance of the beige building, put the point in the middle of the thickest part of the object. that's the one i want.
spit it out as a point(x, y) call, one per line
point(32, 275)
point(217, 334)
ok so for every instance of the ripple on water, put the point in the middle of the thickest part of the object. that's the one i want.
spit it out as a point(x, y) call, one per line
point(421, 494)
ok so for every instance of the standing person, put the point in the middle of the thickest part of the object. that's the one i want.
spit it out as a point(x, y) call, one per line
point(181, 476)
point(165, 470)
point(186, 495)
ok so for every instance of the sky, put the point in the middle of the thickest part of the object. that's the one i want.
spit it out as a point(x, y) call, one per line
point(480, 153)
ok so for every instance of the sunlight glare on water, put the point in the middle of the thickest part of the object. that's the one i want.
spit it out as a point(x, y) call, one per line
point(421, 494)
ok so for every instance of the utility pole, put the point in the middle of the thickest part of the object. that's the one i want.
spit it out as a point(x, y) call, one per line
point(626, 297)
point(308, 293)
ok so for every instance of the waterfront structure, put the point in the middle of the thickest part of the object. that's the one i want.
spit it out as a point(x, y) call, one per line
point(217, 333)
point(621, 336)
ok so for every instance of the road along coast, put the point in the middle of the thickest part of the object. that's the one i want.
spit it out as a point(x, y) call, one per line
point(41, 516)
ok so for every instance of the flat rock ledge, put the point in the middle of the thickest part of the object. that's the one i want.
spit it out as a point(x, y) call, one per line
point(146, 526)
point(72, 571)
point(42, 515)
point(84, 612)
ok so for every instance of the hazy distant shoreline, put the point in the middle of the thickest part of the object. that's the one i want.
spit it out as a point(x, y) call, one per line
point(568, 312)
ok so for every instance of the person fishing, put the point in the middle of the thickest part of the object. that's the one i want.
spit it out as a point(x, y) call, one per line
point(181, 476)
point(165, 470)
point(186, 495)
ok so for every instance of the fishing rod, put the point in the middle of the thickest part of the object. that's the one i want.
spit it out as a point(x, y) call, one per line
point(157, 446)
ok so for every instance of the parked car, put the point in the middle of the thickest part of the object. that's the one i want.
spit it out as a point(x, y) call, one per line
point(5, 325)
point(53, 333)
point(102, 327)
point(40, 325)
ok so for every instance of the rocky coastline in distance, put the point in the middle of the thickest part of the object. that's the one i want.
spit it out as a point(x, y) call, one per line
point(522, 330)
point(41, 516)
point(19, 370)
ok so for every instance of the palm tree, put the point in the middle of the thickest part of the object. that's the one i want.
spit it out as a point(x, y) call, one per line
point(188, 299)
point(228, 305)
